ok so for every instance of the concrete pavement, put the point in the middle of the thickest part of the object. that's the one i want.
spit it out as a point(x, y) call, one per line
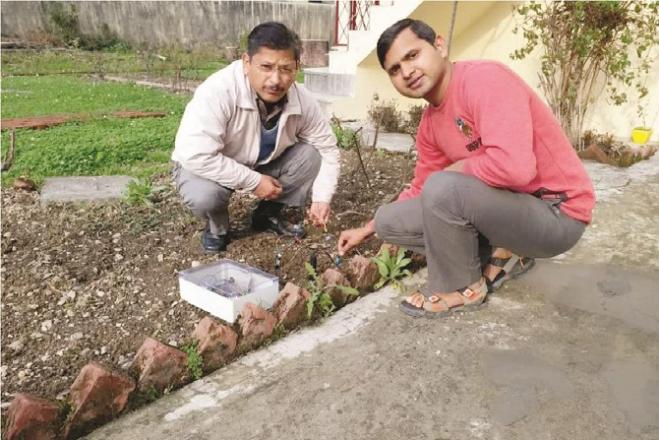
point(570, 351)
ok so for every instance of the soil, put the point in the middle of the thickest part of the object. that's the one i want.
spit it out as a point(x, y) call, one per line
point(83, 282)
point(50, 121)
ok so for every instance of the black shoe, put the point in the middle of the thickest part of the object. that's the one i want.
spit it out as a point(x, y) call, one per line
point(268, 217)
point(214, 243)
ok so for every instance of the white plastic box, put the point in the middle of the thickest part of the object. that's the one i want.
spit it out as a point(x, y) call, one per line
point(223, 288)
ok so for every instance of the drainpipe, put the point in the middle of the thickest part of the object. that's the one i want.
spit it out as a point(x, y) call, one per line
point(450, 32)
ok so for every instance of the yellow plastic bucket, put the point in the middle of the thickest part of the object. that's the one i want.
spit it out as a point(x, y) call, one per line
point(641, 135)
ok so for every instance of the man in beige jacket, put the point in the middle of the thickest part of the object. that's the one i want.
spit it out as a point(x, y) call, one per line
point(250, 127)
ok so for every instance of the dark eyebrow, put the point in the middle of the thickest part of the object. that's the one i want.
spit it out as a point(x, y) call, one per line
point(391, 69)
point(405, 57)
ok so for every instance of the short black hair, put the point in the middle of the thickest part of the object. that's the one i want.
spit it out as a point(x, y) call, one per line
point(420, 29)
point(275, 36)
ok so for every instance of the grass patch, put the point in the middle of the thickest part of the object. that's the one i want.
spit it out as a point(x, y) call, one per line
point(101, 145)
point(137, 147)
point(193, 65)
point(51, 95)
point(197, 65)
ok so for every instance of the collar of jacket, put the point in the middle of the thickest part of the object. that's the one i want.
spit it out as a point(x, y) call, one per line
point(247, 96)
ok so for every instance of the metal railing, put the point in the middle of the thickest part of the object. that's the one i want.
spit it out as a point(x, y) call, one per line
point(351, 15)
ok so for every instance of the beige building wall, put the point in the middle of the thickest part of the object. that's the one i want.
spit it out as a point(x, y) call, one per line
point(484, 30)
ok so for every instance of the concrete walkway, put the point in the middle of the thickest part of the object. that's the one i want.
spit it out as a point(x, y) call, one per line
point(570, 351)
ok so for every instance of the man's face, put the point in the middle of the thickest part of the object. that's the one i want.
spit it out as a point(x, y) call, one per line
point(270, 72)
point(415, 67)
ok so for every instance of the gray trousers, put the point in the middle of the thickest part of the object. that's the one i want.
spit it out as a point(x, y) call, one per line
point(295, 169)
point(455, 209)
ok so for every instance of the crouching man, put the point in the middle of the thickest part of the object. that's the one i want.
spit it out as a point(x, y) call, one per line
point(493, 166)
point(250, 127)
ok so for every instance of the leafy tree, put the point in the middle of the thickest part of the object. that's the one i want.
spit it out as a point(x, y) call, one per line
point(588, 45)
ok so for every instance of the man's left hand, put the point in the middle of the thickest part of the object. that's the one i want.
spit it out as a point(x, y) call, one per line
point(319, 213)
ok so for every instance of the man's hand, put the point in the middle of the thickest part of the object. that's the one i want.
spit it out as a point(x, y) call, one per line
point(319, 213)
point(353, 237)
point(268, 188)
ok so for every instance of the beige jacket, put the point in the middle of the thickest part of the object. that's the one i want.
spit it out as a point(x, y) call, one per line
point(219, 135)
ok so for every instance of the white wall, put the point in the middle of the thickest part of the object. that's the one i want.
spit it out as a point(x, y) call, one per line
point(484, 30)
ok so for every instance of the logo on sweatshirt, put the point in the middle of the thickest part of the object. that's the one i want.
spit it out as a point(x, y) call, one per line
point(468, 132)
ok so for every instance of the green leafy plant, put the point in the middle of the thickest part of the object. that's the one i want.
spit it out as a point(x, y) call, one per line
point(139, 192)
point(195, 361)
point(391, 267)
point(345, 137)
point(320, 300)
point(65, 409)
point(278, 332)
point(585, 45)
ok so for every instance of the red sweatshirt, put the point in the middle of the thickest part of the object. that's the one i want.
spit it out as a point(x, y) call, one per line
point(506, 135)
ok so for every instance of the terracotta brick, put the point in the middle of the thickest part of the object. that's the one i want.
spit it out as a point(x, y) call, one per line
point(216, 342)
point(256, 325)
point(362, 273)
point(333, 277)
point(159, 366)
point(31, 417)
point(291, 305)
point(97, 396)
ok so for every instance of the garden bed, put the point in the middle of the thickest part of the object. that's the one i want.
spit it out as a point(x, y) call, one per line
point(91, 282)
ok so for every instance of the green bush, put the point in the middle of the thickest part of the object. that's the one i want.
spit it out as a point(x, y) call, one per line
point(345, 137)
point(63, 24)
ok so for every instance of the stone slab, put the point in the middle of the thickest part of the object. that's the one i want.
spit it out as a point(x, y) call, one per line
point(394, 142)
point(84, 188)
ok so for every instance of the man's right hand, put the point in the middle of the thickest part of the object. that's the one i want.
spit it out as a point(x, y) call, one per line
point(268, 188)
point(353, 237)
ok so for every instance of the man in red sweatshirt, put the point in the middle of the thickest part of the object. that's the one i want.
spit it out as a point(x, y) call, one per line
point(493, 167)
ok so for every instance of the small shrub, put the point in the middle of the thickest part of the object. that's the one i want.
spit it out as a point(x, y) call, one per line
point(345, 137)
point(619, 152)
point(63, 22)
point(386, 116)
point(414, 115)
point(64, 25)
point(391, 267)
point(139, 192)
point(195, 361)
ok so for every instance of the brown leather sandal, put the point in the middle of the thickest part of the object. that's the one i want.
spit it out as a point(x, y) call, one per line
point(510, 268)
point(435, 306)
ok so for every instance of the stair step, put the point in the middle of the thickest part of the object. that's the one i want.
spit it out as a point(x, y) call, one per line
point(324, 81)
